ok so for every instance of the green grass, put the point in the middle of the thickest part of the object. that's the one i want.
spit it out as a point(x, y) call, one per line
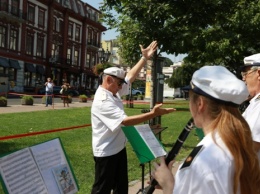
point(77, 142)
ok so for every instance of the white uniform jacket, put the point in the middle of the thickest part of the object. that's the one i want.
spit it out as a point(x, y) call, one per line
point(210, 169)
point(252, 116)
point(107, 114)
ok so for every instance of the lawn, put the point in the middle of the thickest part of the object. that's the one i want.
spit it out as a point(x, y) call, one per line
point(77, 142)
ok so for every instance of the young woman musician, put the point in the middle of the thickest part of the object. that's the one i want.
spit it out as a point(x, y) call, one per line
point(224, 161)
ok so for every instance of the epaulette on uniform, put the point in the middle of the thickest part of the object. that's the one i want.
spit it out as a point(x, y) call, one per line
point(258, 98)
point(191, 157)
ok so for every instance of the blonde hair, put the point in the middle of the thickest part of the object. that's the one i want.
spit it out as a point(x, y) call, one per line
point(235, 133)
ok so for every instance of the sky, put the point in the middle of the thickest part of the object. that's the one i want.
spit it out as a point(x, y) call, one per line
point(112, 34)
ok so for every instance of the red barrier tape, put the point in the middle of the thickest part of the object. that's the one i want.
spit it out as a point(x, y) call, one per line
point(35, 95)
point(42, 132)
point(3, 93)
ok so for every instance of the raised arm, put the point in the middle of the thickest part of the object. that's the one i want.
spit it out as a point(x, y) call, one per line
point(146, 54)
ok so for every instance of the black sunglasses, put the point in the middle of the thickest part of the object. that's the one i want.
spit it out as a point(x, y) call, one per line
point(120, 81)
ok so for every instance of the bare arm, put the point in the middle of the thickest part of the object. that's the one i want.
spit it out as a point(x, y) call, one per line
point(146, 53)
point(156, 111)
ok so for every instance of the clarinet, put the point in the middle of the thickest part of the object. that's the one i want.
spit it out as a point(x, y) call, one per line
point(172, 153)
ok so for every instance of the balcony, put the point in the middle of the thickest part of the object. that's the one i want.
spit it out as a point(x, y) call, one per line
point(93, 43)
point(11, 13)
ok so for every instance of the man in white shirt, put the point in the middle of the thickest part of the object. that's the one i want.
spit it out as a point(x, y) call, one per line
point(48, 91)
point(251, 76)
point(107, 117)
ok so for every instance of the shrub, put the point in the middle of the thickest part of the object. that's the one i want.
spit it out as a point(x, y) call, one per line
point(3, 101)
point(27, 100)
point(83, 98)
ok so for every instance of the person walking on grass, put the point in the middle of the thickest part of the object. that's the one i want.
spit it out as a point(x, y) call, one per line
point(65, 93)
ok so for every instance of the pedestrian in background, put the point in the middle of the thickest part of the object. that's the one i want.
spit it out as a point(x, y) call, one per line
point(49, 91)
point(224, 162)
point(65, 93)
point(251, 76)
point(107, 117)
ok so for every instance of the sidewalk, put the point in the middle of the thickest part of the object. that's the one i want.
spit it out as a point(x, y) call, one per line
point(134, 186)
point(40, 107)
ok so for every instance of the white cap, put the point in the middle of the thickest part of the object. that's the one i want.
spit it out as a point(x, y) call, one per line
point(252, 60)
point(219, 83)
point(116, 72)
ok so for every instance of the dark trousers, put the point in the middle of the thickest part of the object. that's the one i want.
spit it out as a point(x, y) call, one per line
point(111, 174)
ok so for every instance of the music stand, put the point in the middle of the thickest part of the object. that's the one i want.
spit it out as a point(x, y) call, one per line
point(142, 184)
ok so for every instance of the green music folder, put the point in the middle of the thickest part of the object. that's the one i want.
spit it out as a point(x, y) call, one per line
point(145, 144)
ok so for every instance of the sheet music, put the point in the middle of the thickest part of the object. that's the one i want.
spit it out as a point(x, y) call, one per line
point(21, 174)
point(150, 140)
point(49, 155)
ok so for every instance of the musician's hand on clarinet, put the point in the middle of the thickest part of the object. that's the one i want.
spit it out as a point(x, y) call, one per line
point(163, 175)
point(158, 111)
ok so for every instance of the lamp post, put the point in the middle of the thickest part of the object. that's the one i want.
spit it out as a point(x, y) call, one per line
point(103, 55)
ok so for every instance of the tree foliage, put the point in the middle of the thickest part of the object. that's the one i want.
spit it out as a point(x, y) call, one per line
point(182, 75)
point(215, 32)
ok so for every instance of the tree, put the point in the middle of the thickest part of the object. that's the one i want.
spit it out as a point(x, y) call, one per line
point(182, 75)
point(167, 62)
point(211, 32)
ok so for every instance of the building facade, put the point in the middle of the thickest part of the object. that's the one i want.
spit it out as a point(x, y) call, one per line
point(48, 38)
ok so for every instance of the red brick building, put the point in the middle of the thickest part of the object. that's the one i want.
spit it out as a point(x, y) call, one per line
point(48, 38)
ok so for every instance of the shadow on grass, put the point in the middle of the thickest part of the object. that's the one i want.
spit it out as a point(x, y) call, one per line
point(7, 147)
point(183, 109)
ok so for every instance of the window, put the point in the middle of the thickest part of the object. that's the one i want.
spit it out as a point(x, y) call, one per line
point(95, 39)
point(12, 74)
point(29, 79)
point(52, 50)
point(77, 33)
point(3, 36)
point(39, 49)
point(89, 37)
point(69, 56)
point(3, 5)
point(31, 13)
point(76, 58)
point(13, 39)
point(2, 70)
point(55, 53)
point(54, 24)
point(15, 7)
point(60, 23)
point(93, 62)
point(70, 30)
point(87, 61)
point(41, 17)
point(29, 44)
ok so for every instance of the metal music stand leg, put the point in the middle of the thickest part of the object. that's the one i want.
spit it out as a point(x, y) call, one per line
point(142, 187)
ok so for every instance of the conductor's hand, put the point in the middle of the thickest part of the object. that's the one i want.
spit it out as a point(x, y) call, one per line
point(148, 52)
point(158, 111)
